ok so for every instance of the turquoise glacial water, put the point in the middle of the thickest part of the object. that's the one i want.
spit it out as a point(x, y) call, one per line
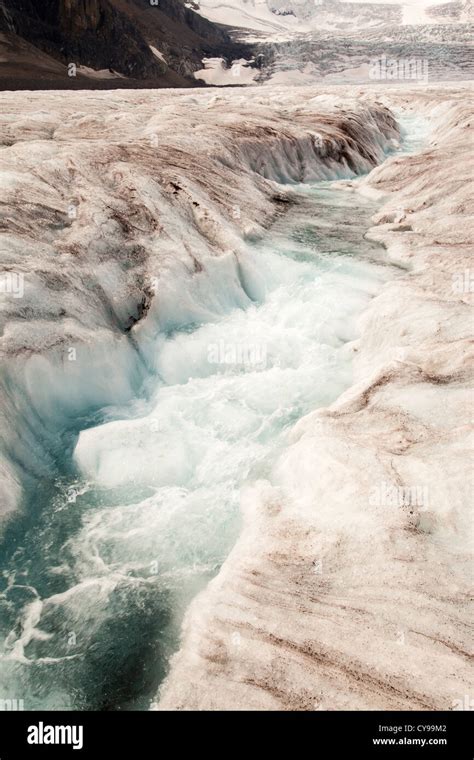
point(99, 574)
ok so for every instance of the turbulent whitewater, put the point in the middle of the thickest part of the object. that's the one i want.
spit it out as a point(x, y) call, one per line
point(192, 272)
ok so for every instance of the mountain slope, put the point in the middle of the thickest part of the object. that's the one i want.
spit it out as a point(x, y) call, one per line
point(283, 18)
point(111, 42)
point(286, 17)
point(182, 36)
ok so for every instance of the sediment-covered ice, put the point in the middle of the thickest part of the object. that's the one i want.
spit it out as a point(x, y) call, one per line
point(134, 217)
point(349, 586)
point(121, 206)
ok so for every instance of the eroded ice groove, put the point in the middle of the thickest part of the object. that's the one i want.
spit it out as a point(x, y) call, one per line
point(103, 567)
point(120, 192)
point(338, 597)
point(101, 580)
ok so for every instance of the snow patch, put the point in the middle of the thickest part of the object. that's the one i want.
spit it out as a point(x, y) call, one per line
point(217, 72)
point(157, 53)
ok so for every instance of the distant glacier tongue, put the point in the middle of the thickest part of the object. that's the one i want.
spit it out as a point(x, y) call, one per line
point(156, 503)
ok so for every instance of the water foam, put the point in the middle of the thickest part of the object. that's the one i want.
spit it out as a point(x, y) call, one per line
point(245, 349)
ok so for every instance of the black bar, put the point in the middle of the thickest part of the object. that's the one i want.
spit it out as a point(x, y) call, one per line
point(317, 734)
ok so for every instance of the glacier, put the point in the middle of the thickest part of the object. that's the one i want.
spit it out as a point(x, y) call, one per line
point(338, 595)
point(150, 228)
point(116, 215)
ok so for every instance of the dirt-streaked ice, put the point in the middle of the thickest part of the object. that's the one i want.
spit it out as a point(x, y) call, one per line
point(131, 215)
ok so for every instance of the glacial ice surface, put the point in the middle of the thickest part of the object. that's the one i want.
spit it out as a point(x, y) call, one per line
point(121, 550)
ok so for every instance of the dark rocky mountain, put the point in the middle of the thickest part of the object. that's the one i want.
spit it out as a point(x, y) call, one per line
point(130, 42)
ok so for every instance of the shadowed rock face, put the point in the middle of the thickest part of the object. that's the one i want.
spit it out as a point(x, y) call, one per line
point(181, 35)
point(77, 16)
point(88, 32)
point(112, 35)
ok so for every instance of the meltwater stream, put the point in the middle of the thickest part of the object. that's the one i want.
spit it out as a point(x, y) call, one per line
point(96, 587)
